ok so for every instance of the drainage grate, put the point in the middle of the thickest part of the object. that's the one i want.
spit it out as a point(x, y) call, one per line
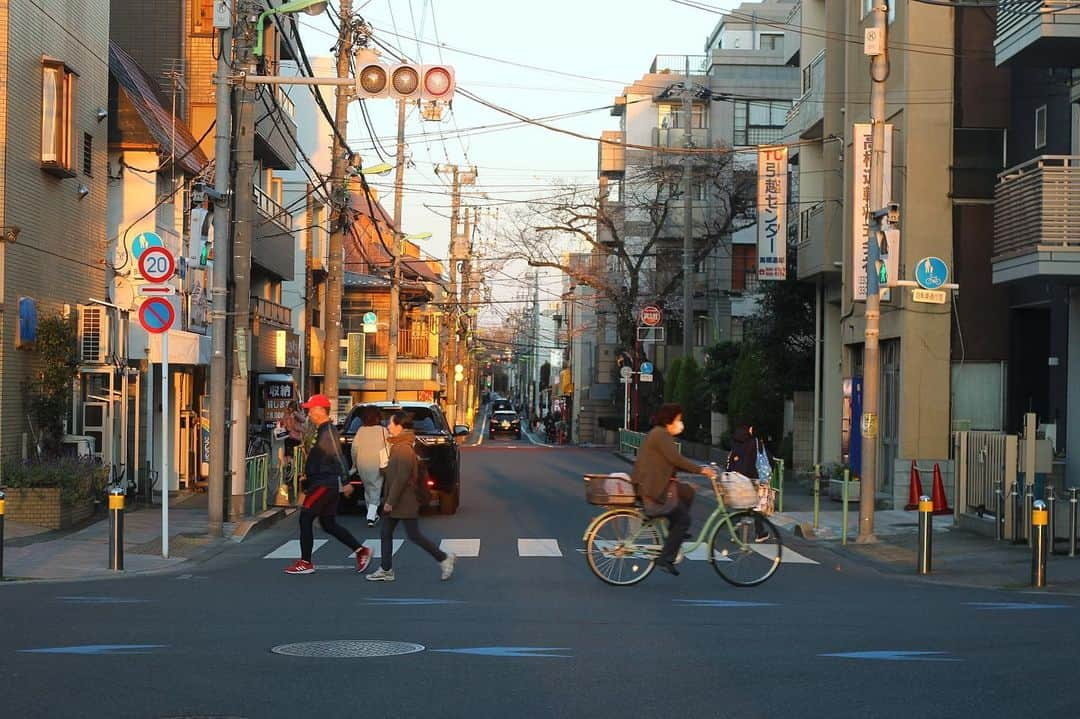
point(347, 649)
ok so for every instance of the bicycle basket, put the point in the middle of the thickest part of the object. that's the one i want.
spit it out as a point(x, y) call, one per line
point(739, 491)
point(609, 490)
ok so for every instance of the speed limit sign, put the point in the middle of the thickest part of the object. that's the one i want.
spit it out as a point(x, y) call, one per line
point(157, 264)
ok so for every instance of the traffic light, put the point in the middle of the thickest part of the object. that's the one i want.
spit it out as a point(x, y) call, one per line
point(405, 81)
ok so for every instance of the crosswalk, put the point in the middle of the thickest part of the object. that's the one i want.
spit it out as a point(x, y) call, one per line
point(527, 548)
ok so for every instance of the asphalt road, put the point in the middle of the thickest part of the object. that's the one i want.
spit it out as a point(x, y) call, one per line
point(199, 643)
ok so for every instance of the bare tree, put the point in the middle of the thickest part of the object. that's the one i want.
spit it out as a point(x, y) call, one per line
point(632, 231)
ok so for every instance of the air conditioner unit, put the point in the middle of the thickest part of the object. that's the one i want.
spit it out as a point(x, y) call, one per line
point(93, 334)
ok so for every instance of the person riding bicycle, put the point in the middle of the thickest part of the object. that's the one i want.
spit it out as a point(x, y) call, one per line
point(653, 476)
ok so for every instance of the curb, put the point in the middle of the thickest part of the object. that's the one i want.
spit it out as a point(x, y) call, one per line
point(263, 521)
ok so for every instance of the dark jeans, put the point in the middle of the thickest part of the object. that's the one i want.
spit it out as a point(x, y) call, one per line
point(678, 524)
point(412, 530)
point(322, 503)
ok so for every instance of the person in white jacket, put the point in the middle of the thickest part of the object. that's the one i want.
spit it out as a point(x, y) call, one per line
point(369, 454)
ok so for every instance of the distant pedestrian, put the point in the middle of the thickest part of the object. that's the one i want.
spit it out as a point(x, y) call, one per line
point(743, 459)
point(324, 475)
point(293, 423)
point(402, 503)
point(370, 456)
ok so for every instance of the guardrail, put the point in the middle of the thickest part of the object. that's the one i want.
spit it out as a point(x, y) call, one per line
point(256, 472)
point(630, 442)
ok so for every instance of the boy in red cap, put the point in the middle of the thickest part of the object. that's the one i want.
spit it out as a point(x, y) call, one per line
point(324, 474)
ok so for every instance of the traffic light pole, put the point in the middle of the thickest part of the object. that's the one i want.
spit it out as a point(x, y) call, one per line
point(335, 281)
point(688, 225)
point(879, 73)
point(395, 249)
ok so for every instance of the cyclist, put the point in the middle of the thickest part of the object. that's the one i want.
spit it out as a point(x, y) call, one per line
point(653, 476)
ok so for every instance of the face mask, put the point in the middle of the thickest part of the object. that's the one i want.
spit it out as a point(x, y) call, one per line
point(678, 427)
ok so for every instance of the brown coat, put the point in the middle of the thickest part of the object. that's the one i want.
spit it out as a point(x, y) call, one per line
point(401, 477)
point(657, 460)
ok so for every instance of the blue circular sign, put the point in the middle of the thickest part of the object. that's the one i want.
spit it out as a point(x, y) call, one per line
point(931, 273)
point(369, 318)
point(157, 315)
point(143, 241)
point(646, 368)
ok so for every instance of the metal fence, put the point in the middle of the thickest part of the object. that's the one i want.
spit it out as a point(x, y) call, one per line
point(983, 460)
point(256, 472)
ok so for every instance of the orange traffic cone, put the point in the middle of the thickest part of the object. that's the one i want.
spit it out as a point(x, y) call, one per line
point(914, 489)
point(941, 505)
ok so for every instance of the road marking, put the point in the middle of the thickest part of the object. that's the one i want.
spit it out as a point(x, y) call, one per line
point(408, 601)
point(895, 655)
point(101, 600)
point(375, 545)
point(461, 547)
point(539, 548)
point(699, 554)
point(291, 549)
point(542, 652)
point(95, 649)
point(788, 556)
point(724, 603)
point(1014, 606)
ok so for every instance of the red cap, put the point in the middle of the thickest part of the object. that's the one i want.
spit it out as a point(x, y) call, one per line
point(317, 400)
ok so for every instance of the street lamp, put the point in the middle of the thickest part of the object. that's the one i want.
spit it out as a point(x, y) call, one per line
point(309, 7)
point(396, 251)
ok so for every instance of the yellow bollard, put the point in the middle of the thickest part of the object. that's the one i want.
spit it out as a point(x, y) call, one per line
point(926, 534)
point(1040, 518)
point(116, 529)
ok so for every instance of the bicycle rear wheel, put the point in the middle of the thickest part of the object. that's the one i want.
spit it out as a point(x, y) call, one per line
point(621, 548)
point(745, 549)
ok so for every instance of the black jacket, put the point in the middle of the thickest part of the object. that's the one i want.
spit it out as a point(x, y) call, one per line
point(324, 462)
point(743, 457)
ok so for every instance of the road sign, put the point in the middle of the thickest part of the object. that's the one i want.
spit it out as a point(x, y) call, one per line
point(370, 322)
point(156, 290)
point(646, 368)
point(645, 377)
point(157, 264)
point(143, 241)
point(156, 315)
point(626, 372)
point(651, 316)
point(931, 273)
point(650, 335)
point(933, 297)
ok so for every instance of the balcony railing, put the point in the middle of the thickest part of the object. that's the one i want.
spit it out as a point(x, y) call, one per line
point(415, 342)
point(699, 64)
point(271, 209)
point(1037, 206)
point(809, 109)
point(408, 369)
point(1037, 33)
point(271, 313)
point(676, 137)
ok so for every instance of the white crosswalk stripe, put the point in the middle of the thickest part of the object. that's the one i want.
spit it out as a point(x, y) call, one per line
point(291, 549)
point(539, 548)
point(461, 547)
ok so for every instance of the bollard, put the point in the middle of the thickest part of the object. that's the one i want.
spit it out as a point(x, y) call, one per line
point(1072, 520)
point(926, 532)
point(843, 508)
point(1029, 505)
point(817, 494)
point(999, 510)
point(1017, 510)
point(1039, 521)
point(780, 488)
point(1, 534)
point(1051, 506)
point(116, 529)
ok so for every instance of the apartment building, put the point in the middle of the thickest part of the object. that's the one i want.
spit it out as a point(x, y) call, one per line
point(54, 95)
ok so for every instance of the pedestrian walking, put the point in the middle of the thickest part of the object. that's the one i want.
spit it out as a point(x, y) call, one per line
point(324, 475)
point(370, 456)
point(743, 459)
point(402, 502)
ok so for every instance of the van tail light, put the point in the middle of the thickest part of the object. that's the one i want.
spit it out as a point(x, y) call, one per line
point(431, 483)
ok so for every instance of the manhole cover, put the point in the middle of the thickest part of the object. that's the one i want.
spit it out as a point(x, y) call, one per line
point(348, 649)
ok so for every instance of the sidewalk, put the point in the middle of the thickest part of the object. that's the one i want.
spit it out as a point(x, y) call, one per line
point(32, 552)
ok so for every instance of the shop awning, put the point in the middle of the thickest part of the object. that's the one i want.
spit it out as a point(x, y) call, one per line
point(185, 348)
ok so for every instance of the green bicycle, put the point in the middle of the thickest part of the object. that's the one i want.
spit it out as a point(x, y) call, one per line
point(622, 544)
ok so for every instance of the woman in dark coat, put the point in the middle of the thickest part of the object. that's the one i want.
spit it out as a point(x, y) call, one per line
point(743, 459)
point(402, 505)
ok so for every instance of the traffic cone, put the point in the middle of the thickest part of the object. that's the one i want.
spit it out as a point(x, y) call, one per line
point(914, 489)
point(941, 505)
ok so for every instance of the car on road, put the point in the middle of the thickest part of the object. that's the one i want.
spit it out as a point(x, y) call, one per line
point(501, 404)
point(505, 421)
point(436, 448)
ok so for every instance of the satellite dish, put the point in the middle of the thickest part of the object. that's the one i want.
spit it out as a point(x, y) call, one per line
point(122, 293)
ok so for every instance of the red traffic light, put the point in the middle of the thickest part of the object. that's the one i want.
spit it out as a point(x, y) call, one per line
point(405, 81)
point(438, 82)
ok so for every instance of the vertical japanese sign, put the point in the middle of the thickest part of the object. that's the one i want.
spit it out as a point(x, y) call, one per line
point(862, 146)
point(772, 213)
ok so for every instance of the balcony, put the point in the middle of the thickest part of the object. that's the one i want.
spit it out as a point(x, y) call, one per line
point(275, 130)
point(1038, 34)
point(677, 64)
point(1037, 219)
point(675, 137)
point(818, 249)
point(274, 246)
point(806, 117)
point(270, 313)
point(612, 157)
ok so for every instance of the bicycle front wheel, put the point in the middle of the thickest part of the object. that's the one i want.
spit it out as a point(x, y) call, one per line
point(621, 548)
point(745, 549)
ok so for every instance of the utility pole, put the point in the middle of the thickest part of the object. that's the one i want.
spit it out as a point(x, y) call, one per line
point(243, 226)
point(395, 249)
point(452, 310)
point(219, 282)
point(688, 218)
point(535, 340)
point(879, 73)
point(462, 347)
point(340, 221)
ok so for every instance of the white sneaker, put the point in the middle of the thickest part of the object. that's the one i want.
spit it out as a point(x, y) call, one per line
point(447, 566)
point(381, 575)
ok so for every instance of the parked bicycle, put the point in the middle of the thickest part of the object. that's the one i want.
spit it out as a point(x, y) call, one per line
point(622, 544)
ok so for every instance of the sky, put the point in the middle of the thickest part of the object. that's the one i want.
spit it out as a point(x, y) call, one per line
point(609, 43)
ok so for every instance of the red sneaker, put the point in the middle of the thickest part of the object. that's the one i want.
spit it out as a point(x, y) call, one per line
point(300, 567)
point(363, 558)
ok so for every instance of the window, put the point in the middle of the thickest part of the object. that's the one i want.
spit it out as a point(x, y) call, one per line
point(771, 41)
point(88, 154)
point(1040, 127)
point(57, 125)
point(743, 267)
point(670, 117)
point(760, 122)
point(202, 17)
